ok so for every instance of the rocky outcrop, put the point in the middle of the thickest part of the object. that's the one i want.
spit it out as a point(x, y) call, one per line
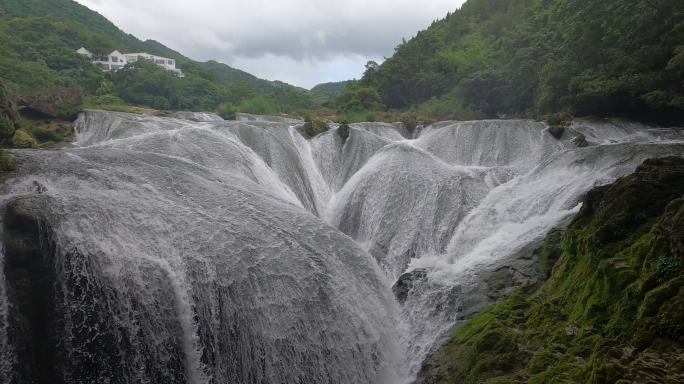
point(402, 288)
point(30, 278)
point(343, 132)
point(557, 131)
point(54, 103)
point(611, 311)
point(8, 106)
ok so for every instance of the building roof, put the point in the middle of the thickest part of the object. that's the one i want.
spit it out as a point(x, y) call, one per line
point(148, 54)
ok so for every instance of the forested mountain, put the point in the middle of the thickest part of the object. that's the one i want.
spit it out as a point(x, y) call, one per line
point(38, 39)
point(329, 92)
point(529, 57)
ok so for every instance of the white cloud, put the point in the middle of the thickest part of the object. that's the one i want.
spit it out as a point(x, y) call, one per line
point(299, 41)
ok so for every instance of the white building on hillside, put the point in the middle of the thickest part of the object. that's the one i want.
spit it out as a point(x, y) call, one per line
point(117, 60)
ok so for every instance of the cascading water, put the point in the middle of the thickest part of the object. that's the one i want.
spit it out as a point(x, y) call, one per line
point(187, 249)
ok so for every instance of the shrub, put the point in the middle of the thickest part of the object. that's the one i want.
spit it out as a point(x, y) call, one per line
point(105, 88)
point(7, 162)
point(314, 127)
point(6, 128)
point(258, 105)
point(227, 111)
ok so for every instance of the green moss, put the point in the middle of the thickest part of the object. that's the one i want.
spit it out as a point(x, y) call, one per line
point(618, 286)
point(23, 139)
point(45, 133)
point(6, 128)
point(313, 127)
point(7, 162)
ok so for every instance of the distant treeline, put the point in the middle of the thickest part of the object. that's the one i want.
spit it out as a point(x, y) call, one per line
point(534, 57)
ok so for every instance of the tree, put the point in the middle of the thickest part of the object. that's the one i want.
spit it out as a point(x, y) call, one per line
point(358, 98)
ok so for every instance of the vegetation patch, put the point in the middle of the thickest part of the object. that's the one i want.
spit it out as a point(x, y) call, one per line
point(23, 139)
point(227, 111)
point(7, 162)
point(313, 127)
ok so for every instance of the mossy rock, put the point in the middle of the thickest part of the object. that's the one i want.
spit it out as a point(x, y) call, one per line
point(580, 141)
point(343, 132)
point(7, 162)
point(23, 139)
point(612, 309)
point(313, 127)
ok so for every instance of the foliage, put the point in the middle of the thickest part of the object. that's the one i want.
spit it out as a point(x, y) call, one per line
point(357, 97)
point(106, 102)
point(23, 139)
point(48, 132)
point(6, 128)
point(105, 88)
point(532, 57)
point(7, 162)
point(313, 127)
point(613, 307)
point(327, 93)
point(259, 105)
point(227, 111)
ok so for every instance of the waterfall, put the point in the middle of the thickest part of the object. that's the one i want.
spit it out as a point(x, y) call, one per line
point(187, 249)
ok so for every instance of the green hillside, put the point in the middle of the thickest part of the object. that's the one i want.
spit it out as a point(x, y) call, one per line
point(38, 39)
point(329, 92)
point(531, 57)
point(95, 23)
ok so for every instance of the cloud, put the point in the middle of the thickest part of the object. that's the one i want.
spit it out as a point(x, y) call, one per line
point(300, 41)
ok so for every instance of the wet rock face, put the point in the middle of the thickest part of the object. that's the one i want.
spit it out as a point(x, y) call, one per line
point(30, 282)
point(49, 290)
point(557, 131)
point(404, 285)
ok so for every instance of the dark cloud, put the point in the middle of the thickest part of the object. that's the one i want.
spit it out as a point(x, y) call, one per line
point(300, 41)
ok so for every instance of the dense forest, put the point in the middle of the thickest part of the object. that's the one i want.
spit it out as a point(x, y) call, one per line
point(38, 39)
point(496, 58)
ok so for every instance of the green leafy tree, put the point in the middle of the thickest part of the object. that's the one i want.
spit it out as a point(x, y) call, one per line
point(105, 88)
point(357, 97)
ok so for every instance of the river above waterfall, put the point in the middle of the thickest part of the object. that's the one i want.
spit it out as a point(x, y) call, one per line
point(189, 249)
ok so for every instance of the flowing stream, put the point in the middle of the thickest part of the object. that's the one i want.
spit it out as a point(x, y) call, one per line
point(188, 249)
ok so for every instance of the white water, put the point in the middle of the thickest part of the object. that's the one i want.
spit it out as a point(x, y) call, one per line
point(205, 245)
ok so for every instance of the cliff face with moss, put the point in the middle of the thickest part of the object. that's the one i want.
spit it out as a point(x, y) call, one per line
point(612, 310)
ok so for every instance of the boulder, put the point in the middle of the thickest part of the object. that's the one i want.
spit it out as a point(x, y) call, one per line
point(405, 283)
point(54, 103)
point(23, 139)
point(557, 131)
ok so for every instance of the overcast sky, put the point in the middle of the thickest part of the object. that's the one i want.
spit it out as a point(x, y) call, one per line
point(302, 42)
